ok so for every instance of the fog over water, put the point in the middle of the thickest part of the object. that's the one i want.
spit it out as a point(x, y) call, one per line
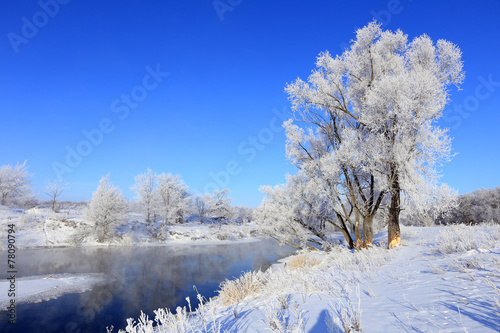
point(140, 278)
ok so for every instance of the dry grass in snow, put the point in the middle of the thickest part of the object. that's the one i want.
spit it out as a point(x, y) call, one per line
point(233, 291)
point(301, 261)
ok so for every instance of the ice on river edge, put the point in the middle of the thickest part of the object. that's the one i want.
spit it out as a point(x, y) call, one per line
point(38, 288)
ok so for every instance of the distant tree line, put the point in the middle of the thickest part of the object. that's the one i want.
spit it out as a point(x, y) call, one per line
point(164, 199)
point(476, 207)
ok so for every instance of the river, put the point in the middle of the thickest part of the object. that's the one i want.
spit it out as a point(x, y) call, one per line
point(140, 278)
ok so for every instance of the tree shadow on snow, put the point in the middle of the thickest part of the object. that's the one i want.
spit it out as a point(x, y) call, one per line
point(324, 321)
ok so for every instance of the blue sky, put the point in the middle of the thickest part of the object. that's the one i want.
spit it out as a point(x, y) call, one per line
point(196, 87)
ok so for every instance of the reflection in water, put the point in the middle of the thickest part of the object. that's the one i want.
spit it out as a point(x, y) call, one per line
point(144, 279)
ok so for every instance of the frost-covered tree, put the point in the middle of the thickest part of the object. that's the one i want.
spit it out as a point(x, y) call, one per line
point(243, 214)
point(106, 210)
point(220, 207)
point(14, 183)
point(202, 206)
point(297, 214)
point(172, 197)
point(371, 114)
point(146, 188)
point(345, 194)
point(54, 189)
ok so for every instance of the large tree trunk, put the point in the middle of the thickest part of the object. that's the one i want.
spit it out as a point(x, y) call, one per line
point(357, 229)
point(393, 232)
point(368, 231)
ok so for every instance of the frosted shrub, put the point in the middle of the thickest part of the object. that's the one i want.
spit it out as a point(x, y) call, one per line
point(461, 238)
point(233, 291)
point(456, 239)
point(200, 321)
point(167, 322)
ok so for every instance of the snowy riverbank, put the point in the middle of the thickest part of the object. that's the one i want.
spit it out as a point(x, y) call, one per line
point(40, 227)
point(442, 279)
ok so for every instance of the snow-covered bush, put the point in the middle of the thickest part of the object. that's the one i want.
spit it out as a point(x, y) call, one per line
point(185, 320)
point(106, 210)
point(462, 238)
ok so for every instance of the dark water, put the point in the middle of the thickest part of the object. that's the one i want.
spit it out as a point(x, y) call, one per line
point(140, 279)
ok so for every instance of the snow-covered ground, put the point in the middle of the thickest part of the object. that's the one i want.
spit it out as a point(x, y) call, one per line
point(40, 226)
point(442, 279)
point(35, 289)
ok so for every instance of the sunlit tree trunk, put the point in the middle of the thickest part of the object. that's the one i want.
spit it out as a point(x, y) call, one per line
point(393, 231)
point(368, 231)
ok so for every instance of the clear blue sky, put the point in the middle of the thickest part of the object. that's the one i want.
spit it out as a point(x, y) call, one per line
point(100, 68)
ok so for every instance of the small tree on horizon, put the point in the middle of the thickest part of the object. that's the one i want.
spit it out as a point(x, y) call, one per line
point(106, 210)
point(54, 189)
